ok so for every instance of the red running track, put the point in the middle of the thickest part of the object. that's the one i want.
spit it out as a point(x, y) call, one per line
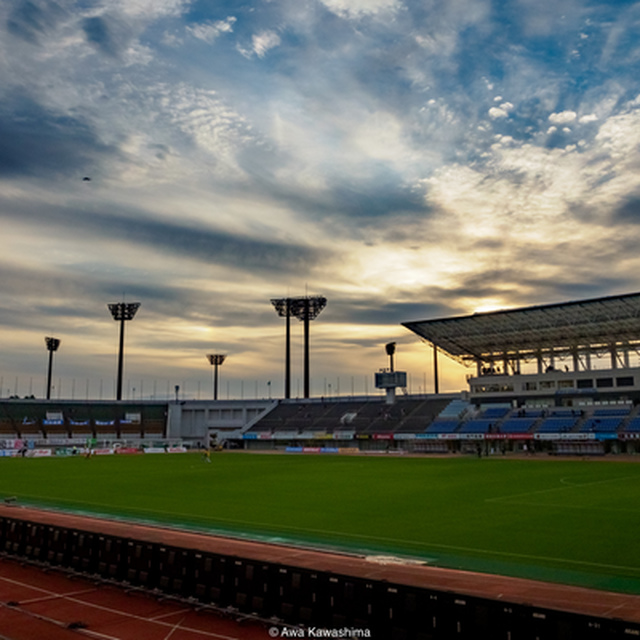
point(48, 605)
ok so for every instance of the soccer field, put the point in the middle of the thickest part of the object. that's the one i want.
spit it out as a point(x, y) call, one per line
point(571, 521)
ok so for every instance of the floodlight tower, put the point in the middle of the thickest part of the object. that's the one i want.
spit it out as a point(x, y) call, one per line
point(389, 379)
point(283, 309)
point(390, 348)
point(52, 345)
point(215, 360)
point(122, 311)
point(307, 309)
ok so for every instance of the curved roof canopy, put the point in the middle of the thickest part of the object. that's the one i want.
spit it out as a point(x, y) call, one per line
point(599, 324)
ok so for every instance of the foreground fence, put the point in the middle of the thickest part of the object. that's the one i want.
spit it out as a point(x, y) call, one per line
point(290, 596)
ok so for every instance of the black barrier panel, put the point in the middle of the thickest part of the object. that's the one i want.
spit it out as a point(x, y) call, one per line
point(14, 537)
point(110, 557)
point(212, 580)
point(406, 612)
point(141, 566)
point(35, 542)
point(254, 587)
point(175, 570)
point(352, 602)
point(58, 540)
point(83, 557)
point(299, 596)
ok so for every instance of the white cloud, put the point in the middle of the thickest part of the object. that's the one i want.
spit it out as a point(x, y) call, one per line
point(261, 43)
point(501, 112)
point(359, 8)
point(209, 31)
point(563, 117)
point(149, 8)
point(592, 117)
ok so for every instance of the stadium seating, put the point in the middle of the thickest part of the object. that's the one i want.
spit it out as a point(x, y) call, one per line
point(517, 425)
point(364, 416)
point(602, 425)
point(440, 425)
point(478, 425)
point(557, 424)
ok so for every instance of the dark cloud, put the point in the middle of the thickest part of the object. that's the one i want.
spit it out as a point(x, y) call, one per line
point(30, 20)
point(379, 311)
point(41, 142)
point(107, 34)
point(199, 243)
point(628, 211)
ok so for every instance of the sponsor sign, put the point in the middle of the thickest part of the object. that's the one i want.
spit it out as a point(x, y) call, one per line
point(126, 450)
point(404, 436)
point(9, 453)
point(293, 449)
point(565, 436)
point(102, 452)
point(249, 436)
point(38, 453)
point(606, 436)
point(344, 435)
point(52, 417)
point(383, 436)
point(132, 418)
point(348, 450)
point(177, 449)
point(154, 450)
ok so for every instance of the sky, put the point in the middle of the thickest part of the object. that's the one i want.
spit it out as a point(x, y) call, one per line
point(406, 159)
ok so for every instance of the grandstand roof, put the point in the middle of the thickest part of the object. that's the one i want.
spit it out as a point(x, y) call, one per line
point(597, 323)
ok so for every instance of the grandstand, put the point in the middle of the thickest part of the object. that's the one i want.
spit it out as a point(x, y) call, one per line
point(61, 422)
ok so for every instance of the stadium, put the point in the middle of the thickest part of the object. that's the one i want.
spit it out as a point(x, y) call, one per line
point(506, 510)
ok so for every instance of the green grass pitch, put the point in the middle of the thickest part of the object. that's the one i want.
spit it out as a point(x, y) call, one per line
point(568, 521)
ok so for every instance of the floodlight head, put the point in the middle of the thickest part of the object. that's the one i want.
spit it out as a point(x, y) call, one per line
point(216, 358)
point(123, 310)
point(390, 348)
point(308, 307)
point(282, 306)
point(52, 344)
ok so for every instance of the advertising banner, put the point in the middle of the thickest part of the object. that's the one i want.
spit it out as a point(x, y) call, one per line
point(38, 453)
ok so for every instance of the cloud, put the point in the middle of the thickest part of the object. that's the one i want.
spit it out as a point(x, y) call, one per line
point(563, 117)
point(41, 142)
point(32, 19)
point(360, 8)
point(108, 34)
point(501, 112)
point(209, 31)
point(197, 243)
point(261, 43)
point(591, 117)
